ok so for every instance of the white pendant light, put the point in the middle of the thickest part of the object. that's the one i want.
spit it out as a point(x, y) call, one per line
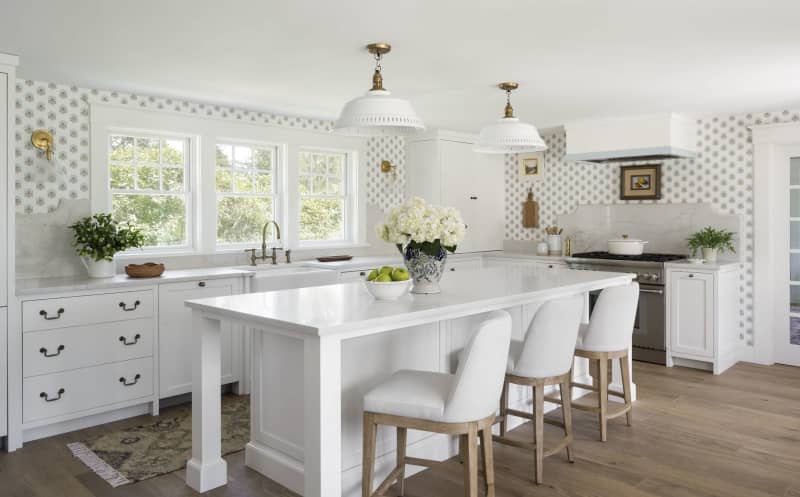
point(378, 112)
point(509, 135)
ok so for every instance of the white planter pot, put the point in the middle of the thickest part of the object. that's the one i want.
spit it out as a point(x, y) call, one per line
point(99, 269)
point(709, 254)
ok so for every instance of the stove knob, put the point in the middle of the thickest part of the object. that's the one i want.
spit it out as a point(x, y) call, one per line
point(653, 277)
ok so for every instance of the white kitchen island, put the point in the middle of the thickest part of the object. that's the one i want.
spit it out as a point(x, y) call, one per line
point(317, 350)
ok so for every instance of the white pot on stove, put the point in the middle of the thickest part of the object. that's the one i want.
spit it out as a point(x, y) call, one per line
point(626, 246)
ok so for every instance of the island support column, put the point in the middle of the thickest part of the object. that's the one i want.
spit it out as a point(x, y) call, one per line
point(322, 381)
point(206, 469)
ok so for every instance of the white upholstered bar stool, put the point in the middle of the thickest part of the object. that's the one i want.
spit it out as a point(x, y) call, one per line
point(544, 358)
point(608, 337)
point(461, 404)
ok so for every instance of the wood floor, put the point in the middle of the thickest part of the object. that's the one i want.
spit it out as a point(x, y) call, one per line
point(694, 435)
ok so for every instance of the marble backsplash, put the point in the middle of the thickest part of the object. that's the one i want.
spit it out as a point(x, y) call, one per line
point(665, 227)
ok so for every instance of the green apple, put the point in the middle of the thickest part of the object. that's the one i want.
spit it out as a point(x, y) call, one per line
point(372, 275)
point(400, 274)
point(386, 270)
point(383, 278)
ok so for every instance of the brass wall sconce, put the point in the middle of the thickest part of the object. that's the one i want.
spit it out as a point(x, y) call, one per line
point(43, 140)
point(387, 167)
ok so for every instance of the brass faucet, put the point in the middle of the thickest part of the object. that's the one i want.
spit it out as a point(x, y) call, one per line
point(274, 256)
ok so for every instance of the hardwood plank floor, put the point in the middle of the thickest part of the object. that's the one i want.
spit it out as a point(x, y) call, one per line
point(693, 434)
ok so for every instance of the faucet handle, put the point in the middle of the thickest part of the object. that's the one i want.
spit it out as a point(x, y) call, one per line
point(252, 255)
point(288, 256)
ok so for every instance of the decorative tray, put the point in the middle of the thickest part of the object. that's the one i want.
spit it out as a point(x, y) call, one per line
point(335, 258)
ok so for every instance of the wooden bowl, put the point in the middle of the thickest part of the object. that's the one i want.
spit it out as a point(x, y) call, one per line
point(146, 270)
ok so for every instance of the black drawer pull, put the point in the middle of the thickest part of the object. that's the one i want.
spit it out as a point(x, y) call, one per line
point(202, 283)
point(452, 269)
point(48, 399)
point(59, 312)
point(129, 309)
point(58, 351)
point(134, 342)
point(473, 198)
point(127, 383)
point(362, 273)
point(691, 276)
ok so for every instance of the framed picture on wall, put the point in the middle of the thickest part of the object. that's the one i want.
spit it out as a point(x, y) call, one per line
point(640, 182)
point(531, 166)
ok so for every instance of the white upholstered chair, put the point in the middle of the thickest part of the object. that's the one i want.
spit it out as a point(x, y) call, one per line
point(607, 337)
point(544, 358)
point(461, 404)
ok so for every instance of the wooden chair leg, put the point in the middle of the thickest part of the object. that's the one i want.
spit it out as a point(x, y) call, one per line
point(625, 368)
point(503, 408)
point(368, 461)
point(488, 460)
point(603, 401)
point(471, 462)
point(402, 434)
point(538, 409)
point(462, 449)
point(566, 414)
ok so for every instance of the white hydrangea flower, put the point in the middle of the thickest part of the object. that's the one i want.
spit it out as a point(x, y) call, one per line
point(416, 221)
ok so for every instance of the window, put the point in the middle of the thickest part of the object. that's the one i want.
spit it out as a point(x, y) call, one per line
point(323, 196)
point(148, 180)
point(245, 178)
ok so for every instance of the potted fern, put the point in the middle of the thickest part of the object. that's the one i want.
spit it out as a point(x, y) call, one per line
point(711, 242)
point(98, 238)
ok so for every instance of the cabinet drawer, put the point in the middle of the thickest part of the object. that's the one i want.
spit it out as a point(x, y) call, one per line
point(63, 349)
point(52, 395)
point(89, 309)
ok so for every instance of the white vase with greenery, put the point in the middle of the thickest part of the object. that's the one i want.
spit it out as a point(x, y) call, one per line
point(424, 234)
point(710, 242)
point(98, 238)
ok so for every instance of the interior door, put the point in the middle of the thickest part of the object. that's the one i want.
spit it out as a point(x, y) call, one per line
point(787, 338)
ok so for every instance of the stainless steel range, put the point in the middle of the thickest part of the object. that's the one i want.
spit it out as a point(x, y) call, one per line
point(649, 329)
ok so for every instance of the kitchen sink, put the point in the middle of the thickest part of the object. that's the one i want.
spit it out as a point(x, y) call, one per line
point(270, 277)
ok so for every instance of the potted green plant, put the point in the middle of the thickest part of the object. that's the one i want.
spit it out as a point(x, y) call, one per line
point(711, 241)
point(98, 238)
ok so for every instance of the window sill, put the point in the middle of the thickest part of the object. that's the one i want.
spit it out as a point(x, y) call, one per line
point(327, 246)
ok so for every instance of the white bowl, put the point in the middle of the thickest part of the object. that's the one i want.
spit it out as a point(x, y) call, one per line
point(388, 290)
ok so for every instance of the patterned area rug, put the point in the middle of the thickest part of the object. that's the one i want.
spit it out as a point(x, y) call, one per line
point(164, 446)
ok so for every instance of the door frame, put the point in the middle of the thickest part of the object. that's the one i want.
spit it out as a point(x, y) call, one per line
point(773, 145)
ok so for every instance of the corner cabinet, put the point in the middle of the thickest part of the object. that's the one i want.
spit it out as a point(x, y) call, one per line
point(176, 334)
point(443, 169)
point(703, 320)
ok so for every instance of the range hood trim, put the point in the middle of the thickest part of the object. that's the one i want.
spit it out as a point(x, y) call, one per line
point(626, 155)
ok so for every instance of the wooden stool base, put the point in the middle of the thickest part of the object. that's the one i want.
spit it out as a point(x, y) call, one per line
point(601, 387)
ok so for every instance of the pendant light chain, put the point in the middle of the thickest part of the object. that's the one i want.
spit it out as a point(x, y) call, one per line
point(377, 77)
point(509, 110)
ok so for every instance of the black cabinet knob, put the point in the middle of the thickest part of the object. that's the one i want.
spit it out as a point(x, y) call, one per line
point(202, 284)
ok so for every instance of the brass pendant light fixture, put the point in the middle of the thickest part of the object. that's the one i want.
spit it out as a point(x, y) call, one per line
point(509, 135)
point(378, 112)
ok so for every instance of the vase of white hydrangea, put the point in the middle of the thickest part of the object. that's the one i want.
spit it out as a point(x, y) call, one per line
point(424, 234)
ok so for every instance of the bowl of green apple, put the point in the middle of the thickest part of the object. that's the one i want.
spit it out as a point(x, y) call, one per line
point(388, 283)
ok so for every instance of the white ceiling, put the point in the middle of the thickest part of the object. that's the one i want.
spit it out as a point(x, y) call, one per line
point(574, 59)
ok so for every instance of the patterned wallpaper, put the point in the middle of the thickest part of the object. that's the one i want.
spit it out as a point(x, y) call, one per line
point(721, 174)
point(64, 111)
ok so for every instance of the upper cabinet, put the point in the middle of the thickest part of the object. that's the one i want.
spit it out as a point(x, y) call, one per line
point(8, 65)
point(443, 169)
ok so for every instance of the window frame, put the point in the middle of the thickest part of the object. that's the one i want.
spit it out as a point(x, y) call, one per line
point(277, 194)
point(350, 209)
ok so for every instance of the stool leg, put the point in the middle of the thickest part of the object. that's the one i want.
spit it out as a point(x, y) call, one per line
point(462, 449)
point(471, 462)
point(538, 406)
point(401, 459)
point(488, 460)
point(603, 383)
point(566, 414)
point(504, 408)
point(625, 368)
point(368, 462)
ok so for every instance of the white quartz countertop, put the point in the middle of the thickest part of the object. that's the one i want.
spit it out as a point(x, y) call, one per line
point(705, 266)
point(39, 286)
point(348, 309)
point(360, 263)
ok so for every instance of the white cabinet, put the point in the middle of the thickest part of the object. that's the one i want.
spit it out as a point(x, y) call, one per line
point(703, 322)
point(4, 181)
point(175, 334)
point(3, 384)
point(443, 169)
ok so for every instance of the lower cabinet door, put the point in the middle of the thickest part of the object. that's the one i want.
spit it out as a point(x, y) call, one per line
point(692, 313)
point(175, 334)
point(61, 394)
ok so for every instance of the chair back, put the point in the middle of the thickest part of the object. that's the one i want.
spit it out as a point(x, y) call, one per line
point(550, 340)
point(611, 324)
point(480, 375)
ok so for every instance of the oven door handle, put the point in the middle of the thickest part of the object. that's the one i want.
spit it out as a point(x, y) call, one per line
point(647, 290)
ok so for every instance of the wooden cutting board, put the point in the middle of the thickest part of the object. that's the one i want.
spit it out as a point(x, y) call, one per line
point(530, 212)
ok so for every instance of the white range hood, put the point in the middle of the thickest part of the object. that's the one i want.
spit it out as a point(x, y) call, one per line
point(663, 136)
